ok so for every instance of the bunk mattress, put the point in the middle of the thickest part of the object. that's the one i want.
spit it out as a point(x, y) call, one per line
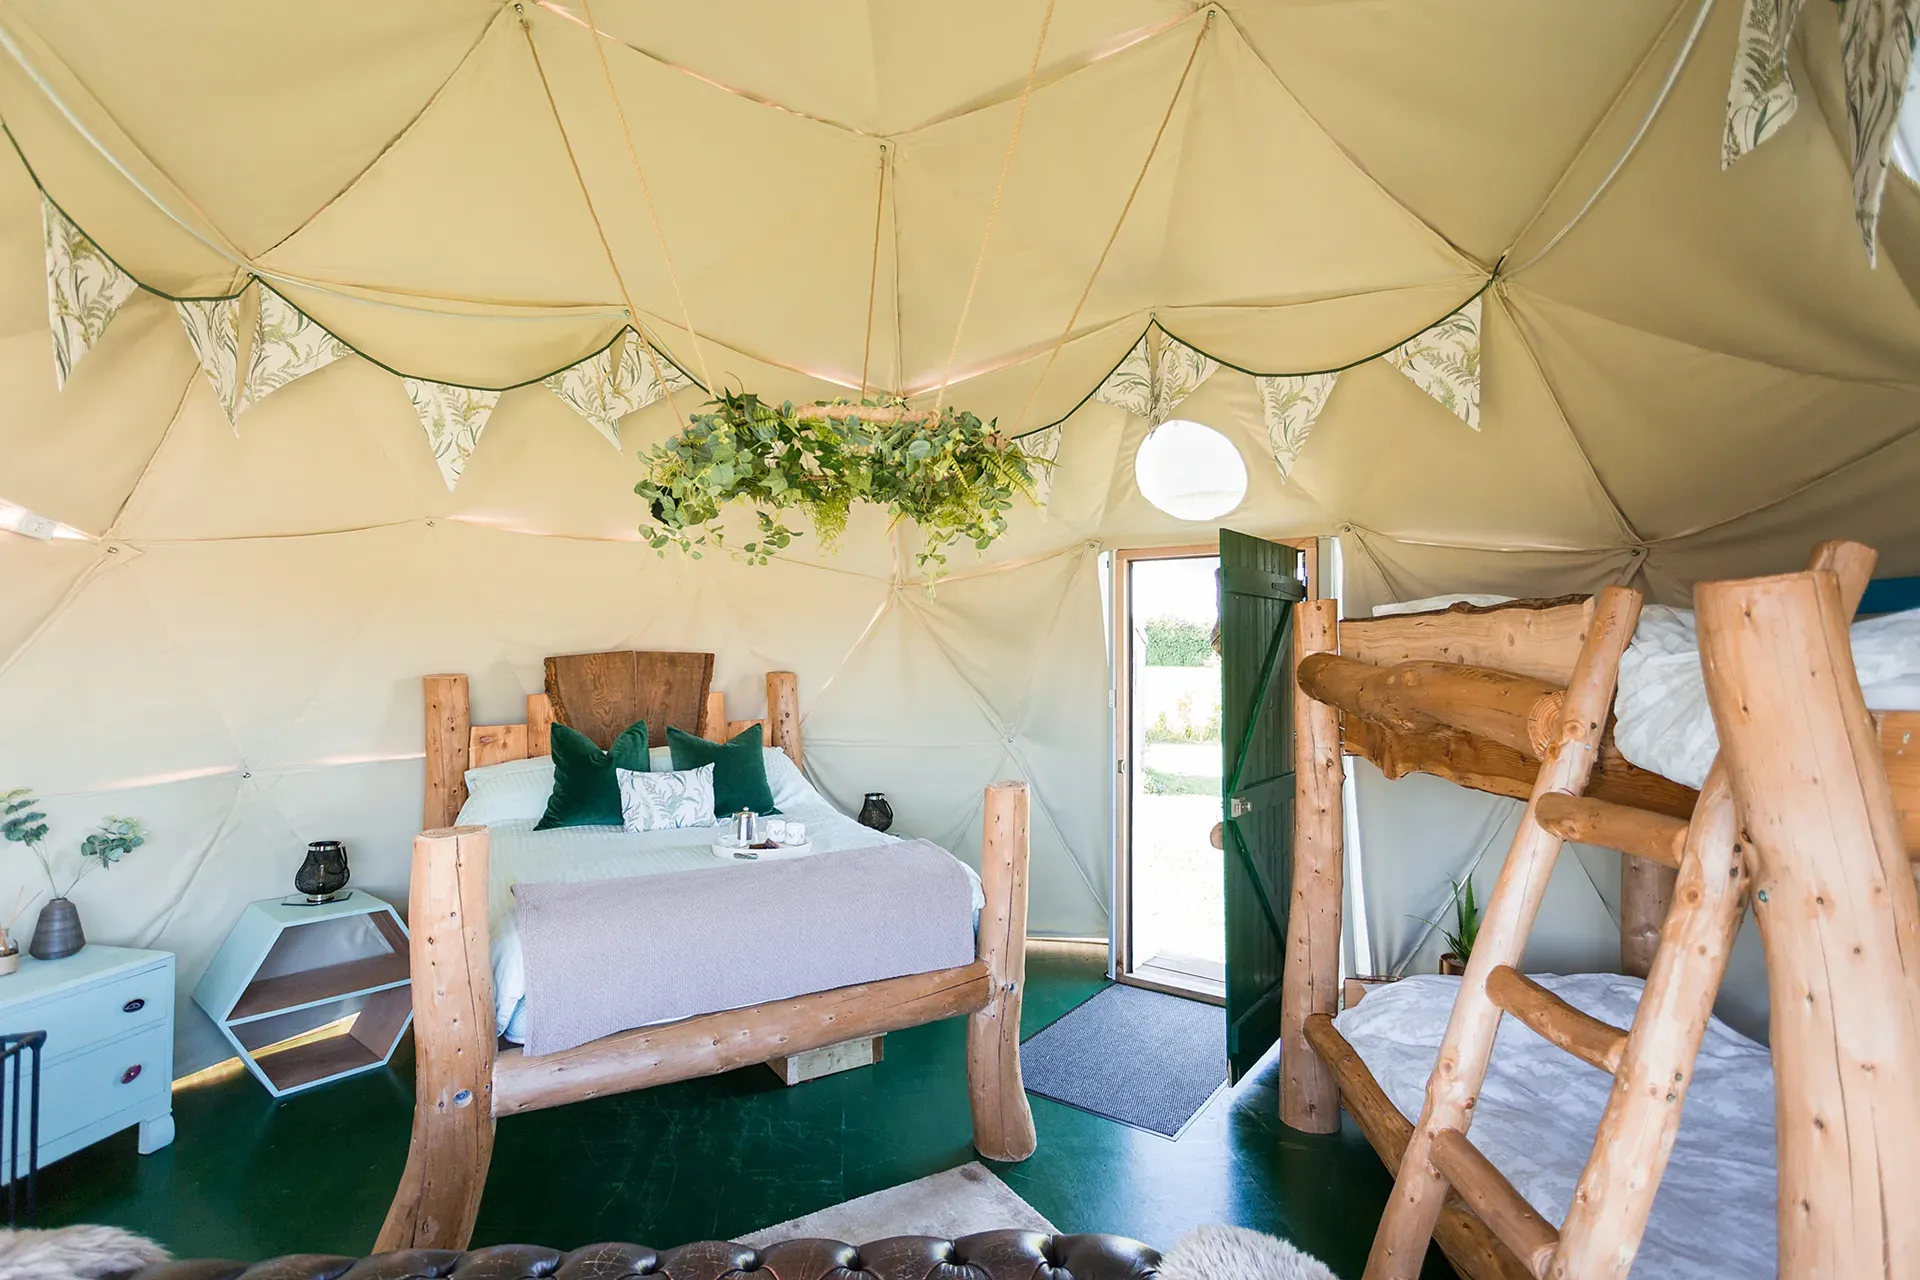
point(1665, 724)
point(1540, 1108)
point(567, 855)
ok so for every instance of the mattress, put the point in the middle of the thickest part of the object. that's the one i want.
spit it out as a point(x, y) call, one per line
point(572, 854)
point(1540, 1108)
point(1665, 724)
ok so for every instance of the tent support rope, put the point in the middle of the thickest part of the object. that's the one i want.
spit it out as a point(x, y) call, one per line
point(653, 214)
point(993, 212)
point(613, 265)
point(1100, 263)
point(873, 271)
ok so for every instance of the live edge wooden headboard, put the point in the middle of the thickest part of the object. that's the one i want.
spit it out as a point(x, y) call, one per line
point(599, 694)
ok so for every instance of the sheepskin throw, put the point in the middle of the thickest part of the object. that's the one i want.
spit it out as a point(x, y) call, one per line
point(75, 1253)
point(1234, 1253)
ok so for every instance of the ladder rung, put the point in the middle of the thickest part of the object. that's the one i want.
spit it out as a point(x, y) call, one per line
point(1494, 1201)
point(1596, 1043)
point(1654, 836)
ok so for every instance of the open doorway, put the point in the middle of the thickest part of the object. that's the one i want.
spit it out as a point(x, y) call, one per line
point(1172, 919)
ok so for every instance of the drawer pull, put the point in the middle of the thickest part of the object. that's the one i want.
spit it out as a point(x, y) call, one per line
point(134, 1005)
point(131, 1074)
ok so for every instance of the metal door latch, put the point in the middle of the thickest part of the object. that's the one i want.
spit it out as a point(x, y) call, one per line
point(1238, 808)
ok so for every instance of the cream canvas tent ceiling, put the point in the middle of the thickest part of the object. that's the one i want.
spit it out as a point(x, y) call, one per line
point(1687, 371)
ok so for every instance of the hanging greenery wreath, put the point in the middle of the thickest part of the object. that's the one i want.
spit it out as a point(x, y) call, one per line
point(952, 475)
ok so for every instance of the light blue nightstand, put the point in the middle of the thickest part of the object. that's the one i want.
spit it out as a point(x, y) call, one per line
point(108, 1060)
point(311, 994)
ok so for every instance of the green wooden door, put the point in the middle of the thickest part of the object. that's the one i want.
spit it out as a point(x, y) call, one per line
point(1259, 583)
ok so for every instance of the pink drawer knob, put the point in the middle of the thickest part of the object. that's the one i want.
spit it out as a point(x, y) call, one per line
point(131, 1074)
point(134, 1005)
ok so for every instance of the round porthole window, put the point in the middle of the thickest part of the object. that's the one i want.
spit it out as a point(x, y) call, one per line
point(1189, 471)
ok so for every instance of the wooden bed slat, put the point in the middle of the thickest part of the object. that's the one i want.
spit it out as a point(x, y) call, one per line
point(600, 694)
point(1488, 766)
point(1585, 1037)
point(1468, 1242)
point(1494, 1201)
point(1658, 837)
point(719, 1042)
point(1536, 638)
point(1515, 711)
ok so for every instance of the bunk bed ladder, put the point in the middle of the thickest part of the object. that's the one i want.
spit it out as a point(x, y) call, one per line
point(1651, 1062)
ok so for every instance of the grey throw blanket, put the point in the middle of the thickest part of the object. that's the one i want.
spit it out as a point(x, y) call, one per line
point(609, 955)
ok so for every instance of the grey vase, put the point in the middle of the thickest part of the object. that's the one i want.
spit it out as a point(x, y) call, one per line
point(58, 933)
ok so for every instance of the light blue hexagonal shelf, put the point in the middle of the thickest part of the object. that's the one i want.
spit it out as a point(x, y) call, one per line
point(311, 994)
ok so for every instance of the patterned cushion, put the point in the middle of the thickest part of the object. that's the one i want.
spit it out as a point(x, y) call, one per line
point(658, 801)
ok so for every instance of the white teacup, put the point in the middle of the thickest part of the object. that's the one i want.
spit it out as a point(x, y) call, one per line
point(796, 833)
point(775, 830)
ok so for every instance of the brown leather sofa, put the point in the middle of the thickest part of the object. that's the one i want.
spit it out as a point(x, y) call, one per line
point(991, 1255)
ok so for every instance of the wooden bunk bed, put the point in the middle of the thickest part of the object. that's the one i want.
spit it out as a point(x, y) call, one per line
point(1814, 804)
point(466, 1076)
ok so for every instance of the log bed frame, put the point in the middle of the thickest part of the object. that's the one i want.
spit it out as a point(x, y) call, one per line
point(1479, 696)
point(466, 1077)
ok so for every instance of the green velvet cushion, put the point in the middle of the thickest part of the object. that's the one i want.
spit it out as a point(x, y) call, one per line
point(739, 769)
point(586, 792)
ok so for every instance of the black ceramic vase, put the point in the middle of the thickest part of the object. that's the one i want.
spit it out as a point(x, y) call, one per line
point(876, 812)
point(324, 873)
point(58, 934)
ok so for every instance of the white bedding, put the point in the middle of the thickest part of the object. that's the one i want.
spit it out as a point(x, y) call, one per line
point(1540, 1107)
point(570, 854)
point(1665, 724)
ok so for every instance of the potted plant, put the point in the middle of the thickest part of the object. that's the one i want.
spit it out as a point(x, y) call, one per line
point(1466, 928)
point(58, 933)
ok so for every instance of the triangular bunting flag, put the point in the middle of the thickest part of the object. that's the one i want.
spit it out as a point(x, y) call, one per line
point(453, 418)
point(212, 326)
point(1444, 362)
point(1043, 447)
point(613, 383)
point(1761, 98)
point(1290, 406)
point(1181, 371)
point(287, 344)
point(85, 290)
point(1130, 386)
point(1876, 53)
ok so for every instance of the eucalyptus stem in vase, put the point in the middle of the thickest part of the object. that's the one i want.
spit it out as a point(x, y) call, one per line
point(58, 932)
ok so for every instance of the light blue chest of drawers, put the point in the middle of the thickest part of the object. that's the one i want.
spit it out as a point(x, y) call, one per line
point(108, 1060)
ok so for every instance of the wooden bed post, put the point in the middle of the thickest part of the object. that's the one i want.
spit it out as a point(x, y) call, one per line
point(1420, 1190)
point(449, 725)
point(1839, 917)
point(454, 1042)
point(1309, 1091)
point(1646, 895)
point(1002, 1120)
point(783, 713)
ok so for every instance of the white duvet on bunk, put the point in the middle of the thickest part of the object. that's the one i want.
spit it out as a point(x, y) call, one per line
point(519, 854)
point(1540, 1107)
point(1665, 724)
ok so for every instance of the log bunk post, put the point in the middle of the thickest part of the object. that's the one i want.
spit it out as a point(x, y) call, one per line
point(466, 1077)
point(1422, 693)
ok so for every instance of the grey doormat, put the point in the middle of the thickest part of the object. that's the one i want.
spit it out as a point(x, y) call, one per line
point(1142, 1058)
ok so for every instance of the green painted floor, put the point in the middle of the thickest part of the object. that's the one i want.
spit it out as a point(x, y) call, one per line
point(248, 1177)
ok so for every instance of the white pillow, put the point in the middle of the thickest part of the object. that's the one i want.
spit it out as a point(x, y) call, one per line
point(517, 789)
point(789, 786)
point(663, 801)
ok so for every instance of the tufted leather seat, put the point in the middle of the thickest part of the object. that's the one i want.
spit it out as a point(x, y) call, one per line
point(990, 1255)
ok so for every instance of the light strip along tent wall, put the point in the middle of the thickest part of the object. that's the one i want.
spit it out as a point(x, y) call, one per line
point(1698, 379)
